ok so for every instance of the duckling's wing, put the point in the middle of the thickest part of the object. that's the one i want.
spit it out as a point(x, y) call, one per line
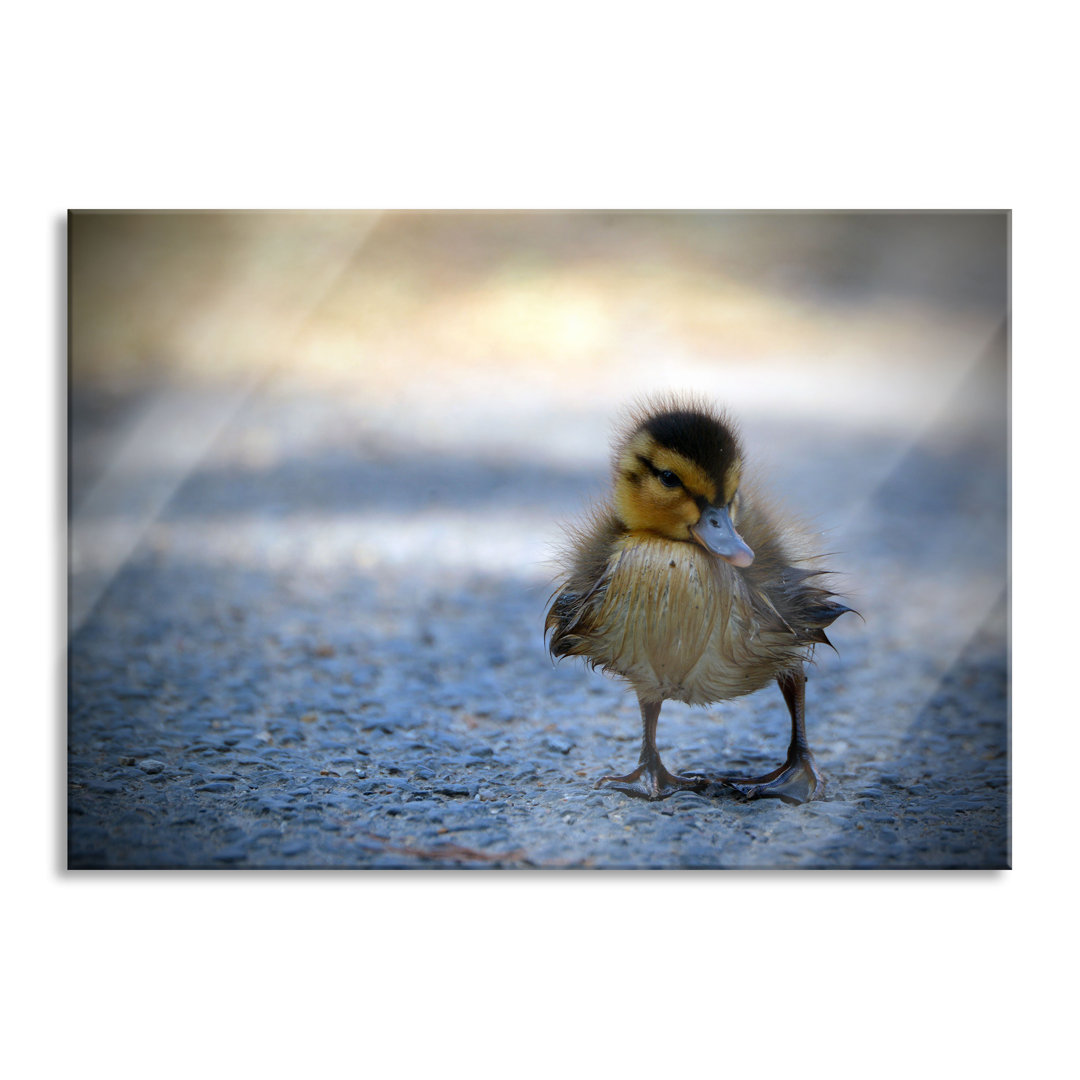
point(785, 577)
point(569, 620)
point(579, 599)
point(807, 607)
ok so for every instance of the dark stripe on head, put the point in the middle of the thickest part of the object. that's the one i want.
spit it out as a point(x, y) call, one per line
point(698, 438)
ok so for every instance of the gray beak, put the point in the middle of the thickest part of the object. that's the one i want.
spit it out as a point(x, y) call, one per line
point(715, 532)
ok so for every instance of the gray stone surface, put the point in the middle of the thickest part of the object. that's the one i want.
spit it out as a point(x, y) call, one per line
point(306, 600)
point(256, 688)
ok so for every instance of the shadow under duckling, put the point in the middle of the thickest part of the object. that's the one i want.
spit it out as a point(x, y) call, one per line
point(689, 588)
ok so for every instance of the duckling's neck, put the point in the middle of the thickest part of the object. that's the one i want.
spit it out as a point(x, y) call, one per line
point(645, 534)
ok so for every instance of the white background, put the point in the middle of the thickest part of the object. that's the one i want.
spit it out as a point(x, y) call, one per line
point(585, 105)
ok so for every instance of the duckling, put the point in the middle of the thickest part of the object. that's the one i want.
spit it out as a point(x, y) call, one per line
point(686, 586)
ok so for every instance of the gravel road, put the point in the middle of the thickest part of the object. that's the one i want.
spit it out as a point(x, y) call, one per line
point(307, 626)
point(267, 682)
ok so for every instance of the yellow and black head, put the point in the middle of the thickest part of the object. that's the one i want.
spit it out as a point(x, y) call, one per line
point(677, 472)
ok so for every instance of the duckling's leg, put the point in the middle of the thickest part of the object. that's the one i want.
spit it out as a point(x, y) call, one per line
point(798, 779)
point(650, 780)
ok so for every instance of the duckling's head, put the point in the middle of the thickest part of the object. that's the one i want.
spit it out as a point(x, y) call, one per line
point(677, 471)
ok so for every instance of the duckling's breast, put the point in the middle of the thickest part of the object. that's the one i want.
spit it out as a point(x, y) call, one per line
point(679, 623)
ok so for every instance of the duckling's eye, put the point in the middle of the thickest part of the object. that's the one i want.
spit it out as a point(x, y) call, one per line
point(669, 479)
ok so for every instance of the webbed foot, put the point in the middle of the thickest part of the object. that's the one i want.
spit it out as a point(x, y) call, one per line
point(652, 782)
point(796, 781)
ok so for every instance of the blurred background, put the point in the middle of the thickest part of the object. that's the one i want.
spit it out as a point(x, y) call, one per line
point(439, 343)
point(399, 409)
